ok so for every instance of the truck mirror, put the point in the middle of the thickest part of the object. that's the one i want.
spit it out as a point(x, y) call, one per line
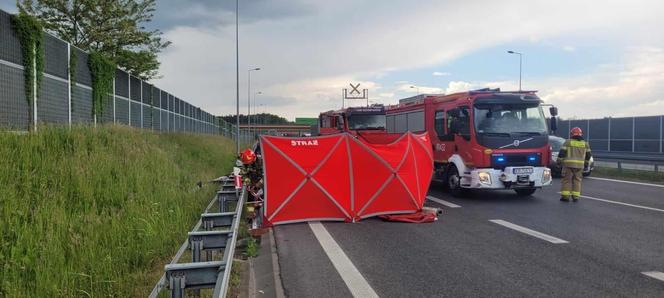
point(553, 125)
point(553, 111)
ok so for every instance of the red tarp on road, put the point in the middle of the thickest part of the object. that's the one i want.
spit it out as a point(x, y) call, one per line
point(339, 177)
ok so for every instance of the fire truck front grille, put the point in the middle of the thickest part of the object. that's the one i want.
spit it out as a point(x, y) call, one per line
point(500, 161)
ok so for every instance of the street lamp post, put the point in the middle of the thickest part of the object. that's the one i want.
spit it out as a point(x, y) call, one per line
point(416, 88)
point(249, 97)
point(237, 78)
point(520, 63)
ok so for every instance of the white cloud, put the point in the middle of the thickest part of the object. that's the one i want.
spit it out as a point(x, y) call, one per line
point(569, 49)
point(440, 74)
point(308, 59)
point(458, 86)
point(631, 89)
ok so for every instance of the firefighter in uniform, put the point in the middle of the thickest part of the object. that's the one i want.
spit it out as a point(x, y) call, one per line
point(574, 156)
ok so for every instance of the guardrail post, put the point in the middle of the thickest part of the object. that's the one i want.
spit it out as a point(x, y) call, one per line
point(196, 247)
point(224, 197)
point(208, 226)
point(177, 286)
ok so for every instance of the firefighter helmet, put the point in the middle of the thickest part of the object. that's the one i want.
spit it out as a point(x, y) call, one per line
point(576, 132)
point(248, 157)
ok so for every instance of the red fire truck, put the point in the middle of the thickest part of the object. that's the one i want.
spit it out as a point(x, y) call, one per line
point(363, 122)
point(483, 139)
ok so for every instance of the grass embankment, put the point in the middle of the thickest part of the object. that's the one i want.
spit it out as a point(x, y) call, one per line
point(630, 175)
point(97, 212)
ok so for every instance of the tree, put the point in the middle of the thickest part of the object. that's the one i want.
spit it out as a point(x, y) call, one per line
point(114, 28)
point(263, 118)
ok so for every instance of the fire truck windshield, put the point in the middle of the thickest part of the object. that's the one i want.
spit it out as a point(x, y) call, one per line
point(498, 119)
point(357, 122)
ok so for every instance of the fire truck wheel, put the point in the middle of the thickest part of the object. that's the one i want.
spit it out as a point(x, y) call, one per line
point(524, 192)
point(454, 182)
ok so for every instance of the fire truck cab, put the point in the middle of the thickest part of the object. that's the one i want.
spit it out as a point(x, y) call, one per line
point(363, 121)
point(483, 139)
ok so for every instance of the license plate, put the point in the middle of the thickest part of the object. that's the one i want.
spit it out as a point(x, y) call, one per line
point(522, 171)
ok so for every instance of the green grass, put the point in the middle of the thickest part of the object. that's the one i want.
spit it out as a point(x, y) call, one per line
point(97, 212)
point(252, 247)
point(631, 175)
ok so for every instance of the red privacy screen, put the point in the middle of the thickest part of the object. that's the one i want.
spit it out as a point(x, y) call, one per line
point(339, 177)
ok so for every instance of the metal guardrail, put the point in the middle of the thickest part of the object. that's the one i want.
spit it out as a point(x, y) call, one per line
point(620, 159)
point(208, 274)
point(656, 158)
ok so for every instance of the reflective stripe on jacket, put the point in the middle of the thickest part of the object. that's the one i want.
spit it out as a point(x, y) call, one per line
point(574, 153)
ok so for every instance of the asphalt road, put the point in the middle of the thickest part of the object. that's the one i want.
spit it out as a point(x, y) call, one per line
point(608, 247)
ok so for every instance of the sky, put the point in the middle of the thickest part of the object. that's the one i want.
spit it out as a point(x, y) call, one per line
point(592, 59)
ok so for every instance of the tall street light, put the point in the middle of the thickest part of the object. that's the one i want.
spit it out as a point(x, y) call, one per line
point(520, 56)
point(416, 88)
point(237, 77)
point(249, 96)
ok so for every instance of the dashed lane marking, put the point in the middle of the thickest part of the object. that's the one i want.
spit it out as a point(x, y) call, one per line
point(654, 274)
point(354, 280)
point(624, 181)
point(443, 202)
point(624, 204)
point(528, 231)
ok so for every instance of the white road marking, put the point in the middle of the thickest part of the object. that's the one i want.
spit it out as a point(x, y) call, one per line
point(654, 274)
point(624, 181)
point(358, 286)
point(443, 202)
point(528, 231)
point(621, 203)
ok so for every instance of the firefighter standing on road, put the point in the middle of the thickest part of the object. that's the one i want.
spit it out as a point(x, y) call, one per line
point(574, 156)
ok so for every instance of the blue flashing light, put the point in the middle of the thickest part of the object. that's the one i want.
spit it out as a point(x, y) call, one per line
point(532, 158)
point(500, 159)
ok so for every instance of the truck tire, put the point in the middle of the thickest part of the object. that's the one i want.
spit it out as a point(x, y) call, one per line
point(453, 182)
point(442, 176)
point(524, 192)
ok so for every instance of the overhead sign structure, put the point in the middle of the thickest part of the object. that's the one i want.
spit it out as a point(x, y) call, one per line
point(355, 93)
point(341, 178)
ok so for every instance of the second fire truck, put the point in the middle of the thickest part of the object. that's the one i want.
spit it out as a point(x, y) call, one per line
point(367, 123)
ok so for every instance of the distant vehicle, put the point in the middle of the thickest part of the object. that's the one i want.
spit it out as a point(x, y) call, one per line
point(367, 123)
point(556, 170)
point(482, 139)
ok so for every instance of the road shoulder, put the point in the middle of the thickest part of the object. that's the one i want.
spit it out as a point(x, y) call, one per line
point(265, 276)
